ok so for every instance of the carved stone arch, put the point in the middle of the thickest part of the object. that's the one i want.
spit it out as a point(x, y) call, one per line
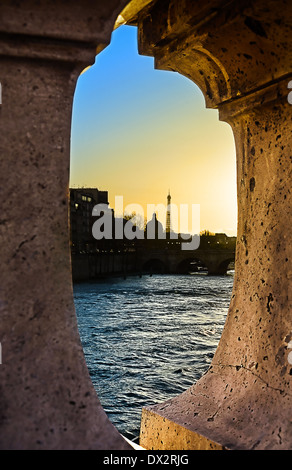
point(201, 67)
point(238, 54)
point(47, 398)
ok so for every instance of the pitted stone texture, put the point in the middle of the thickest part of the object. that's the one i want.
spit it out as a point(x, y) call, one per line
point(226, 48)
point(160, 433)
point(84, 21)
point(235, 414)
point(47, 399)
point(239, 53)
point(238, 58)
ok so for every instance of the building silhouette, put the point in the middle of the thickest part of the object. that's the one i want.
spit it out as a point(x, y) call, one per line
point(154, 229)
point(82, 202)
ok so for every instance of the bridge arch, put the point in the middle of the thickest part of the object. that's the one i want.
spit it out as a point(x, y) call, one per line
point(223, 266)
point(191, 265)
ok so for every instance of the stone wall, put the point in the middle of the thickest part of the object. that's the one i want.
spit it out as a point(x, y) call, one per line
point(87, 267)
point(47, 400)
point(239, 53)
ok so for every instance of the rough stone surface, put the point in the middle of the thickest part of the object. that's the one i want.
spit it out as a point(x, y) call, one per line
point(47, 400)
point(161, 433)
point(83, 21)
point(239, 55)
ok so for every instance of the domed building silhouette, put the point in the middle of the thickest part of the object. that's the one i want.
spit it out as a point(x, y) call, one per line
point(154, 229)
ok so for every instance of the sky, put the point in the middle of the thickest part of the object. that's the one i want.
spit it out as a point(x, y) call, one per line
point(138, 132)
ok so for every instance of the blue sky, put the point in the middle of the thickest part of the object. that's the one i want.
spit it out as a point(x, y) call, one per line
point(138, 132)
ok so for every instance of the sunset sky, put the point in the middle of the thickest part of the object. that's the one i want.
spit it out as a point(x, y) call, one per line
point(138, 132)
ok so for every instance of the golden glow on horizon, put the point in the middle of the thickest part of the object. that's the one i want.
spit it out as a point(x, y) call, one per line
point(147, 142)
point(198, 167)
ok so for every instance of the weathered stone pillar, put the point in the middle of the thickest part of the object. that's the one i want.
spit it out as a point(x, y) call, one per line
point(240, 56)
point(47, 400)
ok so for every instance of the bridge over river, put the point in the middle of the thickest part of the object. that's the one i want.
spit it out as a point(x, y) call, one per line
point(122, 257)
point(177, 261)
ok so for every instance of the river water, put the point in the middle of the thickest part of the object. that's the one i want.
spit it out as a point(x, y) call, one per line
point(148, 339)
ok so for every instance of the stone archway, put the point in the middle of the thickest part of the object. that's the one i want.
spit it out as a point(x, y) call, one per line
point(239, 53)
point(47, 399)
point(236, 53)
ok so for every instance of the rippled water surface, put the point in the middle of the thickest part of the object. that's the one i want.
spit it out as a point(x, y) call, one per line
point(148, 339)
